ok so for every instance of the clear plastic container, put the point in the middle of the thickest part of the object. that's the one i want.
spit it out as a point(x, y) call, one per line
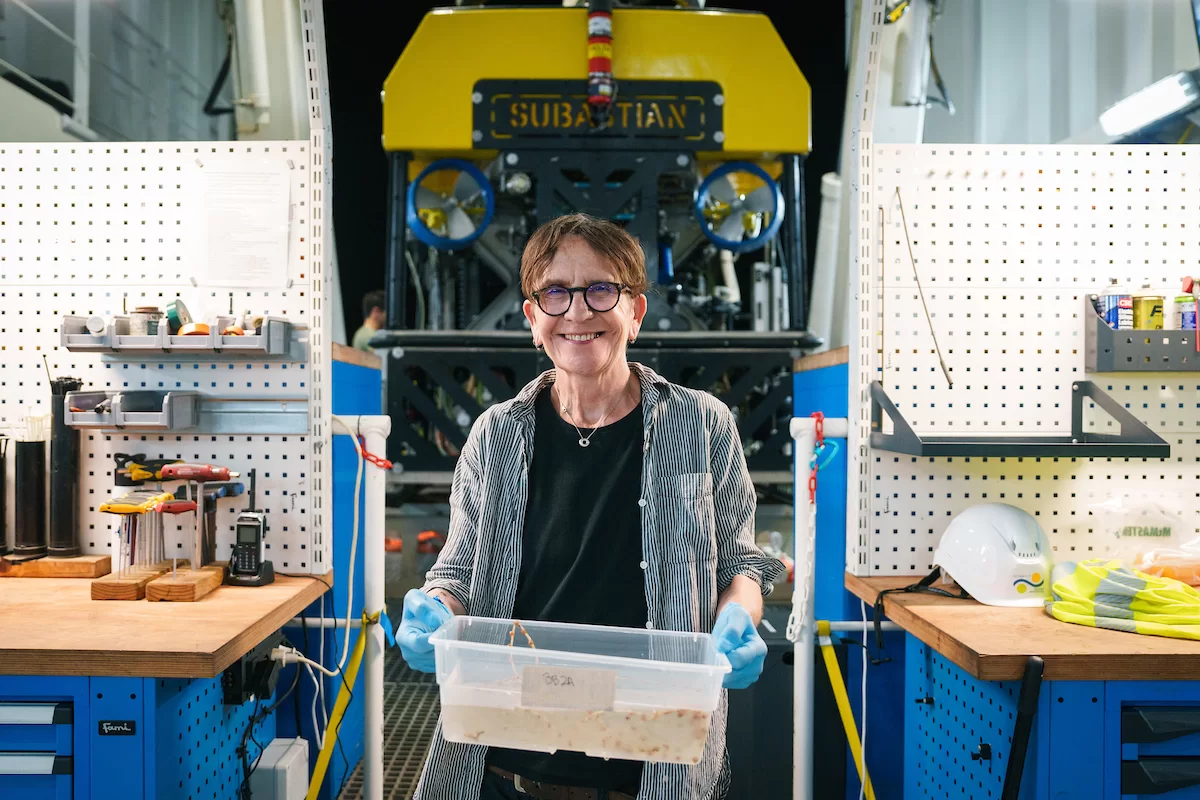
point(627, 693)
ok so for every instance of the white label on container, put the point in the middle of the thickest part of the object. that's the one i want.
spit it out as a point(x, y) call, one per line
point(568, 687)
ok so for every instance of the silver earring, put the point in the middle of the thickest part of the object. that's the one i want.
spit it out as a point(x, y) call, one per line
point(537, 345)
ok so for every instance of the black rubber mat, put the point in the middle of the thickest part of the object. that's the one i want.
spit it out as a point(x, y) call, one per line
point(410, 713)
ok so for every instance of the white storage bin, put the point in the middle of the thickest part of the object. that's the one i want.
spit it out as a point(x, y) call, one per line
point(644, 695)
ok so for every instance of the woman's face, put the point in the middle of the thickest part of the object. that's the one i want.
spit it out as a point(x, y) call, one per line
point(582, 341)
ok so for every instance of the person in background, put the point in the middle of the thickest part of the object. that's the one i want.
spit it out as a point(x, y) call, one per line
point(374, 318)
point(601, 494)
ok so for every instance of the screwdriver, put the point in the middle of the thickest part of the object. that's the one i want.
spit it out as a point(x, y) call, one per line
point(200, 473)
point(196, 472)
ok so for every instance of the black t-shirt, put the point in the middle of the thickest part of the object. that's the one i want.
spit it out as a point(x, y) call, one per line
point(581, 562)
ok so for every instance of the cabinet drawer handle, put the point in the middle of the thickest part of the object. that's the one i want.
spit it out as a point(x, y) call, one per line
point(36, 714)
point(35, 764)
point(1149, 724)
point(1159, 775)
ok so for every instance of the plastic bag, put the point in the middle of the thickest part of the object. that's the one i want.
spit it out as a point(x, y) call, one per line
point(1181, 563)
point(1133, 528)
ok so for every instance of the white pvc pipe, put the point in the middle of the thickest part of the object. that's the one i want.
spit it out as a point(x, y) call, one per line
point(856, 627)
point(252, 58)
point(827, 318)
point(804, 433)
point(375, 430)
point(328, 622)
point(912, 66)
point(83, 63)
point(293, 37)
point(834, 428)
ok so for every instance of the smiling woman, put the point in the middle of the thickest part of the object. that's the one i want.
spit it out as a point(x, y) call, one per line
point(602, 495)
point(586, 338)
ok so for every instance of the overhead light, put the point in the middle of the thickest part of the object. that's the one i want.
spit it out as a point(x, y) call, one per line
point(1161, 100)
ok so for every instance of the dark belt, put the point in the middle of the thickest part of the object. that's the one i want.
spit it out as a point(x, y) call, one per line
point(551, 791)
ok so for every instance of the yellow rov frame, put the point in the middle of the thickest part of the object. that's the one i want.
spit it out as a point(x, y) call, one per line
point(715, 87)
point(427, 106)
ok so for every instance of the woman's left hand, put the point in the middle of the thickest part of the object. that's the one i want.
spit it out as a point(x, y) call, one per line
point(736, 637)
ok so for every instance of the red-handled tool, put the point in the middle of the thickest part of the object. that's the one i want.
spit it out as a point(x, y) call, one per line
point(196, 472)
point(200, 473)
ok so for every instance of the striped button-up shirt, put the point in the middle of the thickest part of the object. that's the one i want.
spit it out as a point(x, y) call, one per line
point(697, 534)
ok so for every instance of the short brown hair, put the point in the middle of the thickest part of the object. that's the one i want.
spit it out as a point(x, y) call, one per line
point(607, 239)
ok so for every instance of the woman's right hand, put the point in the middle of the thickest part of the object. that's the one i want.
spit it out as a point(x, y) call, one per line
point(422, 616)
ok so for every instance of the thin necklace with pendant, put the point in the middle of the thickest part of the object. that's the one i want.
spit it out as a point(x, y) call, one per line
point(584, 441)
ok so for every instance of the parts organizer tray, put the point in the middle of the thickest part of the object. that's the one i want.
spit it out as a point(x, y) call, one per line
point(1108, 350)
point(138, 410)
point(275, 339)
point(645, 695)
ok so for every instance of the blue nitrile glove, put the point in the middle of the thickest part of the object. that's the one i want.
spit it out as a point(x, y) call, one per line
point(737, 639)
point(423, 615)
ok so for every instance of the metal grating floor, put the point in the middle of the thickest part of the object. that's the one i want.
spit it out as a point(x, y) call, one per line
point(410, 714)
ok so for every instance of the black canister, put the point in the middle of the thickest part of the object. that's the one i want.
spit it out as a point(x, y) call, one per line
point(29, 497)
point(4, 550)
point(64, 473)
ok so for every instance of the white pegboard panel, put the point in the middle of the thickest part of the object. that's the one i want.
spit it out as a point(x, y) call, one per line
point(320, 152)
point(1009, 241)
point(862, 246)
point(93, 229)
point(125, 216)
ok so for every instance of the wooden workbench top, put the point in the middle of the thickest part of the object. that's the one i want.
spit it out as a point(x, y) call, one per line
point(51, 626)
point(993, 643)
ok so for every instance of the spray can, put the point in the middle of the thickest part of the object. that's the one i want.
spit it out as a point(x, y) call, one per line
point(1117, 307)
point(1184, 314)
point(1148, 309)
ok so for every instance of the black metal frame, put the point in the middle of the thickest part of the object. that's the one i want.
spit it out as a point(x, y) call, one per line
point(1134, 441)
point(422, 362)
point(795, 245)
point(397, 270)
point(596, 195)
point(690, 358)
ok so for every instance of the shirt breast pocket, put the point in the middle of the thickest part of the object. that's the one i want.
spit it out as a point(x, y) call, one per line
point(687, 524)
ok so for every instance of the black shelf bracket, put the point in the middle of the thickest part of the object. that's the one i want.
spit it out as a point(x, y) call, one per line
point(1134, 441)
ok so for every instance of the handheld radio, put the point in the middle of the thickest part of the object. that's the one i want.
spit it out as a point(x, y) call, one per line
point(248, 566)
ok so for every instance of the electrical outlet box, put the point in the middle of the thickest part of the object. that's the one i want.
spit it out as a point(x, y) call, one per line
point(253, 675)
point(282, 771)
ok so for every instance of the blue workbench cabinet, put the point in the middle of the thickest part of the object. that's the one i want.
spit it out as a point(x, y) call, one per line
point(133, 738)
point(1091, 740)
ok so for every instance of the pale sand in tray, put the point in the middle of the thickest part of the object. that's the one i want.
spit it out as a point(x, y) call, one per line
point(674, 736)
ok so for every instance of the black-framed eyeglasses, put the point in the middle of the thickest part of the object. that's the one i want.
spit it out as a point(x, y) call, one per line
point(600, 297)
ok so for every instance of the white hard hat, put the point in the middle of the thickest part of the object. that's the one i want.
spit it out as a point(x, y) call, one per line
point(998, 553)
